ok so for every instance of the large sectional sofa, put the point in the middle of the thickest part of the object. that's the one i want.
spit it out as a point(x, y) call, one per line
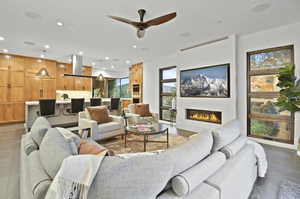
point(203, 168)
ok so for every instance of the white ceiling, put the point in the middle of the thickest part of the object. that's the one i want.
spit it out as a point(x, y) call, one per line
point(88, 29)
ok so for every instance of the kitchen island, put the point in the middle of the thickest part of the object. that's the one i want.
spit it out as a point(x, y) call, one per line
point(61, 117)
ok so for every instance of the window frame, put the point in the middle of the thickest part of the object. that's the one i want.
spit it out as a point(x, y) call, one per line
point(161, 94)
point(267, 95)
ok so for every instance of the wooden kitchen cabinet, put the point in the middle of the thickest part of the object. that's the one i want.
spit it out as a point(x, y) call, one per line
point(62, 82)
point(40, 88)
point(12, 81)
point(33, 66)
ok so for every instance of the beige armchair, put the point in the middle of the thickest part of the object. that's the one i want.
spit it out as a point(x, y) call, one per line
point(141, 110)
point(103, 130)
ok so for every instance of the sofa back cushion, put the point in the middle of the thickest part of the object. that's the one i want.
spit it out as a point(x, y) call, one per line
point(190, 153)
point(54, 149)
point(142, 110)
point(234, 147)
point(142, 176)
point(99, 114)
point(190, 179)
point(225, 134)
point(39, 129)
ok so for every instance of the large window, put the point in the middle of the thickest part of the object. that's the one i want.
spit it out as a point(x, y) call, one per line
point(265, 119)
point(167, 81)
point(119, 88)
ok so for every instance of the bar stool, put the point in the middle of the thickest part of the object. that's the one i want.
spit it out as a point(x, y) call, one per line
point(77, 105)
point(95, 102)
point(47, 107)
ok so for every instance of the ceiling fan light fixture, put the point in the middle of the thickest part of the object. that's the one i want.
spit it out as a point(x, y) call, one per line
point(141, 33)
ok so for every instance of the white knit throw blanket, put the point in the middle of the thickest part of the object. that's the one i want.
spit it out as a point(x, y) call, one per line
point(75, 177)
point(260, 154)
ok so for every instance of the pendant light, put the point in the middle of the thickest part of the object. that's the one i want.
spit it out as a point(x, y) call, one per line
point(43, 72)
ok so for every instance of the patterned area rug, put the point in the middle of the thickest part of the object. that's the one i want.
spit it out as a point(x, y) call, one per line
point(289, 190)
point(117, 144)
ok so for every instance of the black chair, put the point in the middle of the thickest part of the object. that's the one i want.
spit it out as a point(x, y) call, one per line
point(47, 107)
point(77, 105)
point(114, 104)
point(95, 102)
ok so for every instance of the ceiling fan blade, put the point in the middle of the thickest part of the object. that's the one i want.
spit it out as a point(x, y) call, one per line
point(123, 20)
point(161, 20)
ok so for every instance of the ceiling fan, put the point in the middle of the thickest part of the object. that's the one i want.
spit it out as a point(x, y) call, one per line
point(141, 26)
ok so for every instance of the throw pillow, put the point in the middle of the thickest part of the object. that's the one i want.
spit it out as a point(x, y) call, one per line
point(226, 134)
point(92, 148)
point(143, 110)
point(53, 150)
point(39, 129)
point(99, 114)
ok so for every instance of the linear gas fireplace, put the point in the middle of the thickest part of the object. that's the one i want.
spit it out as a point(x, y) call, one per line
point(204, 115)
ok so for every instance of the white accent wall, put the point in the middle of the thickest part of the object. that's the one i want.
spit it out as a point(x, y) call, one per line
point(214, 54)
point(276, 37)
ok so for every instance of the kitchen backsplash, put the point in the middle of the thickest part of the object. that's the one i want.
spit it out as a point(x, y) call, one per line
point(72, 94)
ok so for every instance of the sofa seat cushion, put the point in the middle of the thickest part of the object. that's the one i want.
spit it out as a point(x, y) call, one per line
point(225, 134)
point(236, 178)
point(189, 180)
point(54, 149)
point(203, 191)
point(135, 177)
point(39, 129)
point(108, 127)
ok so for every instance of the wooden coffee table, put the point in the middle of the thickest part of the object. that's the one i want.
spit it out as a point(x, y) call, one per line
point(155, 129)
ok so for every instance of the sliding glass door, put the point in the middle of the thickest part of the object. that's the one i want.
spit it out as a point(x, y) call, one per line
point(265, 120)
point(167, 91)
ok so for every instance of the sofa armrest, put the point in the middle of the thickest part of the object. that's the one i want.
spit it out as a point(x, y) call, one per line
point(86, 123)
point(118, 119)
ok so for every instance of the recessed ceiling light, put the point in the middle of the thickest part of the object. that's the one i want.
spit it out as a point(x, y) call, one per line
point(59, 23)
point(42, 56)
point(127, 62)
point(104, 68)
point(80, 53)
point(47, 46)
point(5, 50)
point(2, 38)
point(112, 66)
point(32, 15)
point(219, 21)
point(134, 46)
point(106, 58)
point(29, 43)
point(261, 7)
point(93, 64)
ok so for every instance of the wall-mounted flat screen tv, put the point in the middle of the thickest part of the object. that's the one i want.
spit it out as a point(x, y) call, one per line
point(210, 81)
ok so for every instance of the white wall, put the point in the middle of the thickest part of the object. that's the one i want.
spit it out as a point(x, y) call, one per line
point(281, 36)
point(214, 54)
point(111, 74)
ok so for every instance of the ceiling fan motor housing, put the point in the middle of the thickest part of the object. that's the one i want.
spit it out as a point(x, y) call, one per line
point(142, 13)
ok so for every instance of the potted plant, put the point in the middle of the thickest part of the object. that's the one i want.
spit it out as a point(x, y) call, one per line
point(289, 95)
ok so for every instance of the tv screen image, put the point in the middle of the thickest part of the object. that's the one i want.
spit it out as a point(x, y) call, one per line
point(211, 81)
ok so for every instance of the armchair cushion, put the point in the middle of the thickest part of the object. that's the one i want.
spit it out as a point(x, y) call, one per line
point(142, 110)
point(108, 127)
point(99, 114)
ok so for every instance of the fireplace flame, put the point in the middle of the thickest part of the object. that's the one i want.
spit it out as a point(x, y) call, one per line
point(210, 117)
